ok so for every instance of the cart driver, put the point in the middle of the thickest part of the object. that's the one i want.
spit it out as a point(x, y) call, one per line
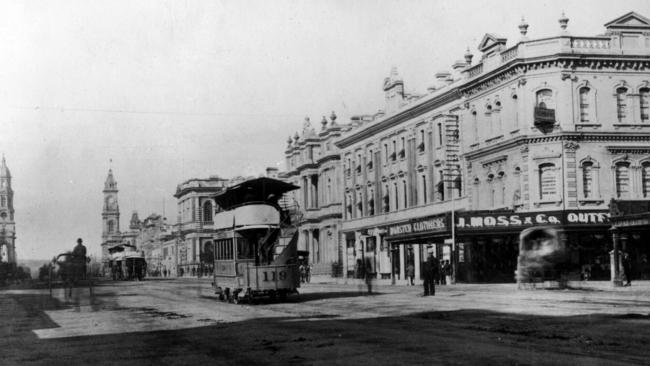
point(79, 259)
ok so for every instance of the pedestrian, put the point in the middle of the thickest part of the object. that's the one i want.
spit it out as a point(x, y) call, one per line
point(447, 272)
point(369, 275)
point(441, 275)
point(79, 260)
point(430, 271)
point(303, 273)
point(410, 274)
point(627, 269)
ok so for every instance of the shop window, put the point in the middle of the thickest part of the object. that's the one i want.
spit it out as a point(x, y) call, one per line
point(645, 179)
point(547, 181)
point(622, 171)
point(621, 104)
point(584, 104)
point(644, 102)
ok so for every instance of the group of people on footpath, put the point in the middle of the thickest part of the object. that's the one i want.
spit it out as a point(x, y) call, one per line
point(305, 272)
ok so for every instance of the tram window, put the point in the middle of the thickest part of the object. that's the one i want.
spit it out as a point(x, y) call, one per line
point(244, 249)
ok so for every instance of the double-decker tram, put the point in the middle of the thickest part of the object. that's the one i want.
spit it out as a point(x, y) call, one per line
point(255, 252)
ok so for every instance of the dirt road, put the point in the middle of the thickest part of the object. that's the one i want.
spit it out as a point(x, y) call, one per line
point(181, 322)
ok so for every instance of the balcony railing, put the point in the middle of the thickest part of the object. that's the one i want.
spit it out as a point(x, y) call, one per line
point(544, 117)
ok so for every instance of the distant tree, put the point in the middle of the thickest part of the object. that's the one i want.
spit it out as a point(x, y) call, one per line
point(44, 272)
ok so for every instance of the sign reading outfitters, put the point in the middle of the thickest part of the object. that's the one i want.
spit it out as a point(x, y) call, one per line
point(473, 221)
point(429, 224)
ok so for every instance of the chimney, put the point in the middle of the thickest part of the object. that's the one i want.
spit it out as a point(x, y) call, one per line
point(272, 172)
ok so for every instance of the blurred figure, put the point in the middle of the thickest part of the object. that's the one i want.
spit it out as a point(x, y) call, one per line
point(430, 271)
point(410, 274)
point(79, 260)
point(627, 269)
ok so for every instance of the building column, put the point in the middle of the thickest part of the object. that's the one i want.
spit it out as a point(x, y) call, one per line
point(615, 258)
point(417, 248)
point(401, 261)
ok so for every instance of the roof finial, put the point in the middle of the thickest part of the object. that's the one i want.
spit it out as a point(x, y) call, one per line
point(468, 57)
point(564, 21)
point(323, 122)
point(523, 28)
point(333, 118)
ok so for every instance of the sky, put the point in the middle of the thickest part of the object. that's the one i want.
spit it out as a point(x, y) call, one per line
point(164, 91)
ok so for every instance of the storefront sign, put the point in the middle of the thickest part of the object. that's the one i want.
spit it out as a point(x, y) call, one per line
point(429, 224)
point(488, 221)
point(587, 217)
point(526, 219)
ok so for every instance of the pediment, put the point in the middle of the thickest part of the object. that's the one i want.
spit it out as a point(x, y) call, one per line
point(630, 20)
point(490, 40)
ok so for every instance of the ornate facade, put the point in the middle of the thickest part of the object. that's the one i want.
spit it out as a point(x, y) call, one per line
point(194, 226)
point(537, 132)
point(313, 164)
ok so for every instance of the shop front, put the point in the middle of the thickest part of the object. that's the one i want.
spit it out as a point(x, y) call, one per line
point(631, 234)
point(488, 242)
point(387, 251)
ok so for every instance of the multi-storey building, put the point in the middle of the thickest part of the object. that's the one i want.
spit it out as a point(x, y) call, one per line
point(398, 185)
point(194, 227)
point(552, 130)
point(538, 132)
point(313, 164)
point(8, 225)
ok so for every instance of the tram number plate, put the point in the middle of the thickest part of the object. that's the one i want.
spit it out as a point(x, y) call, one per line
point(281, 275)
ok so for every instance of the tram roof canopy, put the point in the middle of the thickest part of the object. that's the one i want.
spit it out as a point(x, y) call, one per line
point(261, 189)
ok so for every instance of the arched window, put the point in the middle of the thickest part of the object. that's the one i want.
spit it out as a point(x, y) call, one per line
point(207, 212)
point(329, 190)
point(111, 226)
point(386, 199)
point(404, 191)
point(475, 193)
point(645, 179)
point(584, 104)
point(371, 202)
point(621, 104)
point(359, 204)
point(348, 205)
point(588, 179)
point(424, 188)
point(622, 172)
point(547, 181)
point(396, 195)
point(3, 201)
point(545, 99)
point(440, 187)
point(475, 125)
point(515, 108)
point(644, 102)
point(502, 188)
point(490, 180)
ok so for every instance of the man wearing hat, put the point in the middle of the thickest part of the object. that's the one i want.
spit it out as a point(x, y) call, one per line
point(430, 271)
point(79, 259)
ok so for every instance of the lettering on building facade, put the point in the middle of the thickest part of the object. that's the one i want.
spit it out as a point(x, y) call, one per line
point(479, 221)
point(418, 226)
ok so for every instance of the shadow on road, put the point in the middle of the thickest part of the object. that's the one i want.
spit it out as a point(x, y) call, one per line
point(469, 337)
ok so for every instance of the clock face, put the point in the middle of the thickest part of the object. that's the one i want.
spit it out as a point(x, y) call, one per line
point(111, 202)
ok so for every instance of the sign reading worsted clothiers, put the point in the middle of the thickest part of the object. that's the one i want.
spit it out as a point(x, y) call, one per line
point(418, 226)
point(525, 219)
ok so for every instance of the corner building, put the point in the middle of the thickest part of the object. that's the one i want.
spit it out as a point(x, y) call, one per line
point(553, 129)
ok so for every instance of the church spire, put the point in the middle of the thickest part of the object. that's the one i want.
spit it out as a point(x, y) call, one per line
point(4, 171)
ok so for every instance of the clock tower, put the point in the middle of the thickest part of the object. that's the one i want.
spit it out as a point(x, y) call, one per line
point(110, 217)
point(7, 224)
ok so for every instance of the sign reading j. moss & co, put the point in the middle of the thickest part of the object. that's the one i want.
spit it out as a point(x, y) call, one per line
point(473, 221)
